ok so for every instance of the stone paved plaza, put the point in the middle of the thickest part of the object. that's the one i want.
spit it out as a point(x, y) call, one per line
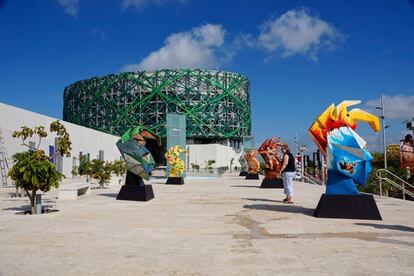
point(222, 226)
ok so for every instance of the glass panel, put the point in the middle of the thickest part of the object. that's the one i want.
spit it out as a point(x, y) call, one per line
point(248, 143)
point(176, 134)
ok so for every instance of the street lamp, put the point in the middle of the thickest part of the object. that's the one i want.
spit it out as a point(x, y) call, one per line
point(383, 129)
point(302, 163)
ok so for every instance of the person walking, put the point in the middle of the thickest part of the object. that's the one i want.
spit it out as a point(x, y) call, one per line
point(288, 171)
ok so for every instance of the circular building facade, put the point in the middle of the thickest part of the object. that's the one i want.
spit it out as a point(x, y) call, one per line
point(216, 103)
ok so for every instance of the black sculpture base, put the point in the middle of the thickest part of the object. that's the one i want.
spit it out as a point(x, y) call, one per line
point(135, 189)
point(252, 176)
point(136, 193)
point(347, 207)
point(243, 174)
point(274, 183)
point(175, 180)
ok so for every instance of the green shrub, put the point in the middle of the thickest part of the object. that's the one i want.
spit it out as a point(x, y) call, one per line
point(101, 171)
point(32, 169)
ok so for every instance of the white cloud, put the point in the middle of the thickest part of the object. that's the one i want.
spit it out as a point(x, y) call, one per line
point(197, 48)
point(99, 33)
point(71, 7)
point(298, 32)
point(396, 107)
point(139, 4)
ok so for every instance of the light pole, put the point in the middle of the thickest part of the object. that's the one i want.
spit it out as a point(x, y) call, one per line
point(297, 142)
point(383, 129)
point(301, 150)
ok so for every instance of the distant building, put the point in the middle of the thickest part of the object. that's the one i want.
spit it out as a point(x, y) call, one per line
point(216, 103)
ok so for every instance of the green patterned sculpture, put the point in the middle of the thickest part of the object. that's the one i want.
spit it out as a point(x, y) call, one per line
point(141, 150)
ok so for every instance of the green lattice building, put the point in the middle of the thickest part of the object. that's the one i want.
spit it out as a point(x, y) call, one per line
point(216, 103)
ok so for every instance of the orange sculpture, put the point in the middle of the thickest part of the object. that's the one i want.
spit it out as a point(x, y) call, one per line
point(252, 162)
point(269, 152)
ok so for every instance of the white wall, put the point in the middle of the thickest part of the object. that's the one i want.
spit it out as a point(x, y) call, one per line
point(90, 141)
point(200, 154)
point(83, 139)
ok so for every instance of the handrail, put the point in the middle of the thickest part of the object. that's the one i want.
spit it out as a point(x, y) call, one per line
point(312, 179)
point(395, 176)
point(379, 172)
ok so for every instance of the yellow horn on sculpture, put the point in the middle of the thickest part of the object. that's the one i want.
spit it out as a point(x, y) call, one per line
point(342, 107)
point(360, 115)
point(337, 116)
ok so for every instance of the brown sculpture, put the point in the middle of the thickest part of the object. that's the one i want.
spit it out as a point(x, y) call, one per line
point(269, 152)
point(252, 162)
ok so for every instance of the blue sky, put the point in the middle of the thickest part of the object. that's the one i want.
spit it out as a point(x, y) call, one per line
point(300, 56)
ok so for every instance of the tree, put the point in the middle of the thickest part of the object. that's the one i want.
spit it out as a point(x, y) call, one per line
point(210, 163)
point(84, 166)
point(222, 170)
point(118, 167)
point(195, 167)
point(101, 171)
point(75, 170)
point(32, 169)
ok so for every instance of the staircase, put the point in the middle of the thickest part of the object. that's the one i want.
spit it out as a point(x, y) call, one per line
point(4, 160)
point(386, 176)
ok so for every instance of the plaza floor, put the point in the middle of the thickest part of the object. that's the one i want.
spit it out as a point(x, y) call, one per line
point(220, 226)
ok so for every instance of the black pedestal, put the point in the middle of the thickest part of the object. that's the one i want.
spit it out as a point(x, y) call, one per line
point(134, 189)
point(275, 183)
point(175, 180)
point(347, 207)
point(136, 193)
point(252, 176)
point(243, 174)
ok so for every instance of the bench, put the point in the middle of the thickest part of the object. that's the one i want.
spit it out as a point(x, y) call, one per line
point(72, 190)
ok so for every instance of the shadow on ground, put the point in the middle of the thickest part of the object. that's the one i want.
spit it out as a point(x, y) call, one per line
point(114, 195)
point(263, 199)
point(26, 208)
point(388, 226)
point(245, 186)
point(281, 208)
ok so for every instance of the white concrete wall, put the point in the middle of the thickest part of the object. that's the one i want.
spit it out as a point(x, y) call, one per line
point(90, 141)
point(83, 139)
point(200, 154)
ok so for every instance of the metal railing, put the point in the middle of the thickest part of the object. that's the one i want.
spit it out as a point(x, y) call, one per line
point(402, 185)
point(311, 179)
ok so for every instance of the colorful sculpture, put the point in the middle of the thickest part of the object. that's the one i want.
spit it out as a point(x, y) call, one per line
point(135, 146)
point(176, 163)
point(141, 149)
point(348, 161)
point(269, 152)
point(243, 165)
point(252, 163)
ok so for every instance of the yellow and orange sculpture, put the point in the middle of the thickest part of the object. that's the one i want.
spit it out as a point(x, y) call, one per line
point(252, 162)
point(336, 117)
point(176, 163)
point(348, 161)
point(269, 152)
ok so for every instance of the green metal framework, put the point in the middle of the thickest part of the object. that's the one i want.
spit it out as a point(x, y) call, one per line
point(216, 103)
